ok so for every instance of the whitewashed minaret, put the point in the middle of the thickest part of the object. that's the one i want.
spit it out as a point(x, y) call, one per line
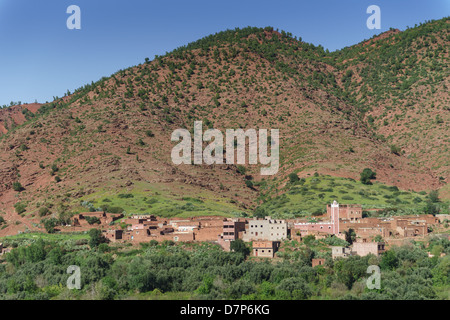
point(335, 216)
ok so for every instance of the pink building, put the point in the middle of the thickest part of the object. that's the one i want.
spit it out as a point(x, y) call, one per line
point(331, 227)
point(347, 212)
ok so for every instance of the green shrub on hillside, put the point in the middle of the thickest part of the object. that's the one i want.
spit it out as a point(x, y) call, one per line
point(366, 175)
point(17, 186)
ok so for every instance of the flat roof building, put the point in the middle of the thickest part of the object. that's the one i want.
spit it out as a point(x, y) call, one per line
point(266, 229)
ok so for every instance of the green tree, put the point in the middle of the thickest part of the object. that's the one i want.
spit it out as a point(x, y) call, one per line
point(50, 224)
point(431, 208)
point(96, 238)
point(350, 235)
point(293, 177)
point(206, 286)
point(17, 186)
point(350, 270)
point(241, 169)
point(378, 238)
point(92, 220)
point(389, 260)
point(441, 273)
point(293, 288)
point(433, 196)
point(20, 207)
point(366, 175)
point(240, 246)
point(43, 211)
point(395, 149)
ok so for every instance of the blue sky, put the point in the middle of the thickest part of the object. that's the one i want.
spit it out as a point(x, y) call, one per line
point(41, 58)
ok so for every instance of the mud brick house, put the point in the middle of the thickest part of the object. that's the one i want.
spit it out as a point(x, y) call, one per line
point(299, 235)
point(340, 252)
point(346, 212)
point(144, 226)
point(146, 220)
point(308, 228)
point(358, 248)
point(203, 228)
point(431, 220)
point(168, 230)
point(364, 248)
point(104, 217)
point(411, 226)
point(147, 235)
point(208, 228)
point(138, 235)
point(114, 235)
point(144, 217)
point(318, 262)
point(150, 221)
point(232, 229)
point(147, 228)
point(265, 249)
point(266, 229)
point(295, 235)
point(443, 217)
point(183, 224)
point(369, 233)
point(4, 250)
point(394, 227)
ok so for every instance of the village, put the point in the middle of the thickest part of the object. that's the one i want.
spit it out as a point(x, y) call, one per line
point(371, 235)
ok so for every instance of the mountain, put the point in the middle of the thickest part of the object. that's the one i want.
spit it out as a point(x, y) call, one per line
point(381, 104)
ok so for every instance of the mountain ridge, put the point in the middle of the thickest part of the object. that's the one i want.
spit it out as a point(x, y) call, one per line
point(113, 137)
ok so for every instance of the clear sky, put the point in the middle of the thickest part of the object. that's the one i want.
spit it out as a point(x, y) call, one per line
point(41, 58)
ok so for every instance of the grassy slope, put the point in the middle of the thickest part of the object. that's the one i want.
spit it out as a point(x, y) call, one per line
point(146, 198)
point(314, 193)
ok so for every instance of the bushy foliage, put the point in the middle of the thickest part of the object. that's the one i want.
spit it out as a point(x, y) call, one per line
point(205, 271)
point(366, 175)
point(17, 186)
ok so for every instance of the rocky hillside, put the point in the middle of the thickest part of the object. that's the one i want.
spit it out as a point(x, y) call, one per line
point(381, 104)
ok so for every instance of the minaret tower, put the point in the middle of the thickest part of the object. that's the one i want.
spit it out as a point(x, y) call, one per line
point(335, 216)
